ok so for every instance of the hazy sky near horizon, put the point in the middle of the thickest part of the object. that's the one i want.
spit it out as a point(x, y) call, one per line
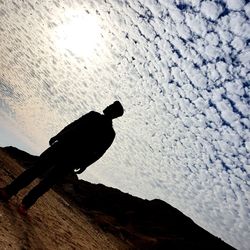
point(181, 68)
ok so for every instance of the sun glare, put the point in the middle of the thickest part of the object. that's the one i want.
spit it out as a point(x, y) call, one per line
point(79, 34)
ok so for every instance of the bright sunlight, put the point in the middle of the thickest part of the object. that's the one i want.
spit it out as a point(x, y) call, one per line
point(79, 34)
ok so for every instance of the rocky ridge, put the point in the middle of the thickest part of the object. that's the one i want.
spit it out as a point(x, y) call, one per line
point(144, 224)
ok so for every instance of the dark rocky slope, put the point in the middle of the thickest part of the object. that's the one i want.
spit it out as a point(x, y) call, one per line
point(145, 224)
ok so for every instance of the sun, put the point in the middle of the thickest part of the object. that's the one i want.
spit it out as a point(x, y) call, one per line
point(80, 34)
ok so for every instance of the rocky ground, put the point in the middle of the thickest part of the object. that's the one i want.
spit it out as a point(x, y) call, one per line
point(80, 215)
point(52, 223)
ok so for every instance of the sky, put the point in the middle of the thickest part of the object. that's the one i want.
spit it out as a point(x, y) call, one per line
point(181, 69)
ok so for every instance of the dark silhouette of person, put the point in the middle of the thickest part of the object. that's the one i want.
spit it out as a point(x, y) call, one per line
point(76, 147)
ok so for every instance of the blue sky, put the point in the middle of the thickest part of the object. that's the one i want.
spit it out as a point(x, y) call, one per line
point(181, 70)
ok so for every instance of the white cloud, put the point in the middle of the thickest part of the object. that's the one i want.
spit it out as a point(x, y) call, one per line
point(235, 5)
point(211, 9)
point(244, 57)
point(181, 69)
point(247, 9)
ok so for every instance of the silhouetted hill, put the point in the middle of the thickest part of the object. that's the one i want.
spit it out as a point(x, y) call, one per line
point(22, 157)
point(51, 224)
point(145, 224)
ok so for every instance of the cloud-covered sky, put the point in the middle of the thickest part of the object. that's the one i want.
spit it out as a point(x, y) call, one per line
point(181, 68)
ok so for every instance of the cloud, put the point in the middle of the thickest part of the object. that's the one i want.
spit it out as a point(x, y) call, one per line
point(235, 5)
point(181, 70)
point(211, 9)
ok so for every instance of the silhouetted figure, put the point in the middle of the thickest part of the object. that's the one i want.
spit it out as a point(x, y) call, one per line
point(77, 146)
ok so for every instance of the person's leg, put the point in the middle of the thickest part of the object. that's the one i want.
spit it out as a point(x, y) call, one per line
point(24, 179)
point(52, 177)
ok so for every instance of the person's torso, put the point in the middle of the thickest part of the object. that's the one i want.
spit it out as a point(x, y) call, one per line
point(94, 132)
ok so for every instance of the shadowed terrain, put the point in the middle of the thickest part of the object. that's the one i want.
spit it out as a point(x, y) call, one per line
point(52, 223)
point(118, 219)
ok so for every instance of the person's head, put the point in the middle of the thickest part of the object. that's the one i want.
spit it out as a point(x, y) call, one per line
point(114, 110)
